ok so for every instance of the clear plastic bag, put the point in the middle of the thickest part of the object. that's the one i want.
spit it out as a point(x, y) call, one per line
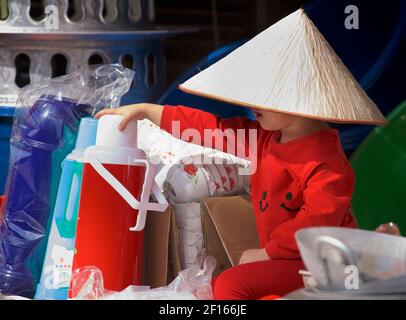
point(190, 284)
point(99, 86)
point(44, 133)
point(190, 234)
point(195, 178)
point(195, 280)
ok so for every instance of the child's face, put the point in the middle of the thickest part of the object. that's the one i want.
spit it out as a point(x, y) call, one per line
point(270, 120)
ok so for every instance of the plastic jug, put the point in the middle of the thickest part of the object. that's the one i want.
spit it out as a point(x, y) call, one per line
point(57, 267)
point(42, 137)
point(110, 229)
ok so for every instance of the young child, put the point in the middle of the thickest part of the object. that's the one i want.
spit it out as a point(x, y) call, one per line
point(303, 178)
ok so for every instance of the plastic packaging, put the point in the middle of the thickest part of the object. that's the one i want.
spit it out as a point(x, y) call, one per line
point(191, 283)
point(44, 133)
point(193, 180)
point(57, 267)
point(190, 234)
point(116, 187)
point(166, 151)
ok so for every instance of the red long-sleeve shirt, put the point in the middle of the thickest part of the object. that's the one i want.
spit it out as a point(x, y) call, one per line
point(306, 182)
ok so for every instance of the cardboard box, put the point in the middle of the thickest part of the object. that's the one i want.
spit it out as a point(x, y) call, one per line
point(161, 254)
point(229, 228)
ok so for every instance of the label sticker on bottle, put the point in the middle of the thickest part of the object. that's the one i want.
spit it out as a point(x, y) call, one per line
point(63, 260)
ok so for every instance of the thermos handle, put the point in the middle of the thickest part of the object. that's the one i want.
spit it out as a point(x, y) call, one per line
point(142, 206)
point(149, 184)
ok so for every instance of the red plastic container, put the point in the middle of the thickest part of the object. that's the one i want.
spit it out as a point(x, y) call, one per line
point(103, 235)
point(116, 185)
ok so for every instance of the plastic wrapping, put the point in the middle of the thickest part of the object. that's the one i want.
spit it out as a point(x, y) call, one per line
point(190, 234)
point(193, 180)
point(98, 86)
point(190, 284)
point(44, 132)
point(57, 265)
point(168, 152)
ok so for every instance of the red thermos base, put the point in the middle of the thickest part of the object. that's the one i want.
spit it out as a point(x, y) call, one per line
point(103, 238)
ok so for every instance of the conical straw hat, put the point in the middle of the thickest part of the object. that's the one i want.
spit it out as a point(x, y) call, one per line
point(290, 68)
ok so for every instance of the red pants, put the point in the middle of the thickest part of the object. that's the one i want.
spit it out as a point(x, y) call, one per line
point(256, 280)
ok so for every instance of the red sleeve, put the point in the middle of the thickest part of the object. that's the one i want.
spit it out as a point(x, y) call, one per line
point(177, 120)
point(327, 199)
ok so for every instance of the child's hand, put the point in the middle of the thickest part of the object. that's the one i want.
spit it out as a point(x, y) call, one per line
point(135, 112)
point(253, 255)
point(389, 228)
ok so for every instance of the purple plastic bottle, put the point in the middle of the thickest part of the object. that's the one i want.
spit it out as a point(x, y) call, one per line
point(41, 139)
